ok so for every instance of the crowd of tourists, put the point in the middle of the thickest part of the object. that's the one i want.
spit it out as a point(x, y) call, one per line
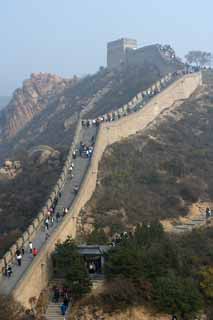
point(85, 150)
point(33, 251)
point(119, 237)
point(62, 295)
point(146, 96)
point(50, 219)
point(167, 51)
point(53, 215)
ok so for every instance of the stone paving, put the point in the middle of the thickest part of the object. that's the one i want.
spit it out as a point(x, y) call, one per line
point(80, 168)
point(54, 312)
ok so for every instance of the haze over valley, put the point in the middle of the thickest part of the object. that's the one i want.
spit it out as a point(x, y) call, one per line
point(4, 101)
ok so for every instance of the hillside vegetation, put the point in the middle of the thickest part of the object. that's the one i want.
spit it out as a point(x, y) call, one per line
point(158, 272)
point(22, 197)
point(158, 174)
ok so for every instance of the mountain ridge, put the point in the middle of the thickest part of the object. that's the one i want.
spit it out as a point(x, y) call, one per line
point(30, 100)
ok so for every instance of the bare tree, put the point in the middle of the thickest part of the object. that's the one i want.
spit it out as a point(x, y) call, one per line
point(199, 58)
point(12, 310)
point(9, 309)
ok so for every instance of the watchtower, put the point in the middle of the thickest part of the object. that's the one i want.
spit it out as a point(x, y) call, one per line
point(116, 51)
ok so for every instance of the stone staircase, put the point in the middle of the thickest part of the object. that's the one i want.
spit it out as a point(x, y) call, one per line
point(96, 284)
point(54, 312)
point(190, 225)
point(97, 281)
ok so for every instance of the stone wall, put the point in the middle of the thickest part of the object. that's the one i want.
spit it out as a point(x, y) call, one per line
point(135, 104)
point(36, 224)
point(148, 55)
point(36, 277)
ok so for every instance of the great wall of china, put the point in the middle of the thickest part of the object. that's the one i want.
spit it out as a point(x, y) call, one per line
point(126, 122)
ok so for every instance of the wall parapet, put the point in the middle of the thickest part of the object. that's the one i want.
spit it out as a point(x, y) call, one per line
point(37, 223)
point(139, 100)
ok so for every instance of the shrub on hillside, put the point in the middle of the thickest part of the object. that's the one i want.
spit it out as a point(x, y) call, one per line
point(191, 188)
point(160, 173)
point(174, 294)
point(206, 282)
point(159, 270)
point(10, 310)
point(119, 294)
point(97, 236)
point(68, 264)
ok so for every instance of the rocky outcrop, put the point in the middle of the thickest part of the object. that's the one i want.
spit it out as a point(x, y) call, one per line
point(10, 169)
point(43, 153)
point(30, 100)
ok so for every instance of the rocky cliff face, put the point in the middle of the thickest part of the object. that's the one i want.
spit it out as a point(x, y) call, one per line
point(30, 100)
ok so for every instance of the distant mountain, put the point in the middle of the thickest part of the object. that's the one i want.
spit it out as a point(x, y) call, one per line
point(4, 101)
point(30, 100)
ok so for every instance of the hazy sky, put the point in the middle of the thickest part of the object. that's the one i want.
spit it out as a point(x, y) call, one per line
point(69, 37)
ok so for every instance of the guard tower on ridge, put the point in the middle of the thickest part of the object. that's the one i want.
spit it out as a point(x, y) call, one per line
point(117, 51)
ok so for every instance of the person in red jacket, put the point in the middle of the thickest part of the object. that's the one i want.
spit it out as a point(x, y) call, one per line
point(35, 252)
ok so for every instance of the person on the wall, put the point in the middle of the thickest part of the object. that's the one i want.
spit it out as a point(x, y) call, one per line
point(35, 252)
point(8, 271)
point(31, 246)
point(57, 216)
point(75, 189)
point(18, 257)
point(63, 309)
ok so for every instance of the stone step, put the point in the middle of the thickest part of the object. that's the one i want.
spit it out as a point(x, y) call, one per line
point(194, 223)
point(191, 224)
point(199, 220)
point(179, 230)
point(182, 226)
point(97, 284)
point(54, 312)
point(53, 308)
point(54, 317)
